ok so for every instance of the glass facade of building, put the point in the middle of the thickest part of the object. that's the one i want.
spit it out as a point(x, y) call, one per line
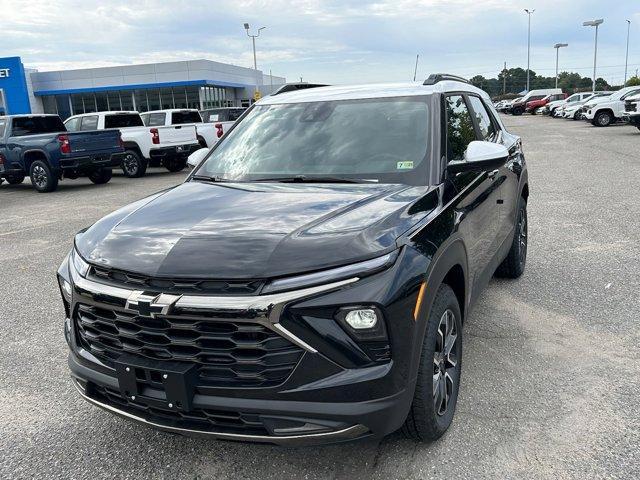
point(142, 100)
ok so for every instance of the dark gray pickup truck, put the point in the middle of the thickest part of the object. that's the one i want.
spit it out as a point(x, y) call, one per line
point(40, 146)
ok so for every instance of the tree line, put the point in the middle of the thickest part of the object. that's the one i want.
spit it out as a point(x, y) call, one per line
point(514, 80)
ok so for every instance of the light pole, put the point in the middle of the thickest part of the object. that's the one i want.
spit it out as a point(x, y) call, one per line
point(558, 46)
point(255, 63)
point(529, 12)
point(594, 23)
point(626, 58)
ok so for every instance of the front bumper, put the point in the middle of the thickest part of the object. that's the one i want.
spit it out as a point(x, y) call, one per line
point(328, 397)
point(633, 118)
point(343, 421)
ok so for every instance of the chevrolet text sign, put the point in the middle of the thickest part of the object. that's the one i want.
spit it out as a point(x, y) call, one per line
point(4, 72)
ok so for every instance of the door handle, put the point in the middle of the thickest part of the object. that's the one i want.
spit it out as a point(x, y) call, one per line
point(493, 174)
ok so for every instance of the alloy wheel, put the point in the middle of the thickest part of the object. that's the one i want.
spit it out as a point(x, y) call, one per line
point(522, 234)
point(445, 361)
point(130, 164)
point(39, 175)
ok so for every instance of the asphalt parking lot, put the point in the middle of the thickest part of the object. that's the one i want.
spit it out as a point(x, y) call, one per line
point(551, 375)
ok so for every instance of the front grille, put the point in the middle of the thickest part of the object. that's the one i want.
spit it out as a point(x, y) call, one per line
point(630, 106)
point(196, 419)
point(158, 284)
point(227, 352)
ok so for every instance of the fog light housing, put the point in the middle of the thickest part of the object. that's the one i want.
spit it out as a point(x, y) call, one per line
point(361, 318)
point(363, 322)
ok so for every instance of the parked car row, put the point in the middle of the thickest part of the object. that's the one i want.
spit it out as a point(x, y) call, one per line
point(599, 108)
point(91, 144)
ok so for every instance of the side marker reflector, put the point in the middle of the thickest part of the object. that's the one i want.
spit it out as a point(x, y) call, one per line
point(416, 310)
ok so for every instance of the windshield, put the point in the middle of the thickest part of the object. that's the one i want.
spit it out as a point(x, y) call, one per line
point(382, 139)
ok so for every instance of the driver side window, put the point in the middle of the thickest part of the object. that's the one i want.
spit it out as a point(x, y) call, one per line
point(460, 129)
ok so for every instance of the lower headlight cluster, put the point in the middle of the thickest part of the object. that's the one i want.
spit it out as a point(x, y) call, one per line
point(363, 322)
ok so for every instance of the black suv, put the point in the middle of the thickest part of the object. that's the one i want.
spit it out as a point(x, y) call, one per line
point(309, 281)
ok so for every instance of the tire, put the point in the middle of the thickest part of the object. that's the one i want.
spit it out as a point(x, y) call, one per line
point(15, 179)
point(175, 165)
point(517, 111)
point(133, 165)
point(427, 419)
point(602, 119)
point(202, 142)
point(101, 176)
point(42, 178)
point(577, 116)
point(513, 265)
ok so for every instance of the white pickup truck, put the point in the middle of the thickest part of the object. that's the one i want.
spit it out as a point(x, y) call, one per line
point(168, 146)
point(208, 134)
point(604, 111)
point(632, 110)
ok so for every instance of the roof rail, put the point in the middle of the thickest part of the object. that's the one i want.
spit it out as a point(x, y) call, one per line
point(440, 77)
point(290, 87)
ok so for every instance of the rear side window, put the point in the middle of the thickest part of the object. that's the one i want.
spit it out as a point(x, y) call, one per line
point(154, 119)
point(180, 118)
point(35, 125)
point(89, 123)
point(460, 130)
point(123, 120)
point(487, 128)
point(72, 124)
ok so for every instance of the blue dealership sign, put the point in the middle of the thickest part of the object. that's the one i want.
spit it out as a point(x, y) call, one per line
point(13, 83)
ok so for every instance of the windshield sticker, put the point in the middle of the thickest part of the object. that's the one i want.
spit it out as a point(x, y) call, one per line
point(404, 165)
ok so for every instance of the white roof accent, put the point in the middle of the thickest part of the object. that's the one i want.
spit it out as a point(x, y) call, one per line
point(377, 90)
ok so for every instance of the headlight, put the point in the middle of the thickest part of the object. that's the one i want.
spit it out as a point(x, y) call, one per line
point(65, 288)
point(360, 269)
point(78, 264)
point(365, 323)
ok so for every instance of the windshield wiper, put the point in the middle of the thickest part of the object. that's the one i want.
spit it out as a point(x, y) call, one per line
point(312, 179)
point(209, 178)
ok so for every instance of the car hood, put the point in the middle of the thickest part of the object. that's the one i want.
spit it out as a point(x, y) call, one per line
point(254, 230)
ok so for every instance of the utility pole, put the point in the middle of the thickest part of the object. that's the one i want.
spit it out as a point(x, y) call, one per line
point(504, 79)
point(594, 23)
point(256, 94)
point(557, 46)
point(529, 13)
point(415, 70)
point(626, 58)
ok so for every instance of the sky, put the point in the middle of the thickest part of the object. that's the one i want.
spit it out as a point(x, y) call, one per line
point(338, 42)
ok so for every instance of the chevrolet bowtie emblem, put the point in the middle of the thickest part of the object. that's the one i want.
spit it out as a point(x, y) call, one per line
point(149, 305)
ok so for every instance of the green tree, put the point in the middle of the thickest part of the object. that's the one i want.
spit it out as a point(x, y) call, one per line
point(633, 82)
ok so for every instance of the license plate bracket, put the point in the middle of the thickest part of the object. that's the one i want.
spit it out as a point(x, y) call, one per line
point(176, 380)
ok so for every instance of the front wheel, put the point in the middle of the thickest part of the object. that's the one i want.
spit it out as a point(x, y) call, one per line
point(513, 265)
point(436, 394)
point(602, 119)
point(517, 111)
point(101, 176)
point(175, 165)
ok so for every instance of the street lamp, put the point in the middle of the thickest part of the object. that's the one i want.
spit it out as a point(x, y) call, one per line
point(529, 12)
point(626, 58)
point(594, 23)
point(255, 63)
point(558, 46)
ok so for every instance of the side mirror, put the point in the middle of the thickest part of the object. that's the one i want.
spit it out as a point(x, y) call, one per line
point(196, 157)
point(480, 156)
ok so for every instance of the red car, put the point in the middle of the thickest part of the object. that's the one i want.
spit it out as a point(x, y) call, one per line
point(533, 105)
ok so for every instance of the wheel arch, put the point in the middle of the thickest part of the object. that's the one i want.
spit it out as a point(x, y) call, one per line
point(129, 145)
point(30, 156)
point(450, 266)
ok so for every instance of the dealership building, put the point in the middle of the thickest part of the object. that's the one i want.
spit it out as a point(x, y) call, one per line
point(185, 84)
